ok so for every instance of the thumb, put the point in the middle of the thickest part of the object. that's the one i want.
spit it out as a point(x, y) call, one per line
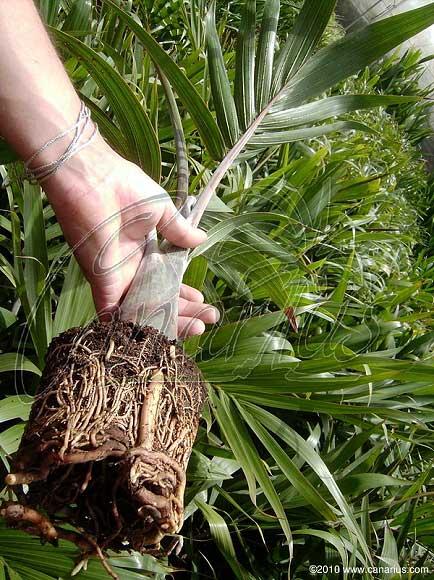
point(177, 230)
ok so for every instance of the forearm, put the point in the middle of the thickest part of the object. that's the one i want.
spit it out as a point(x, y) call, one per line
point(37, 99)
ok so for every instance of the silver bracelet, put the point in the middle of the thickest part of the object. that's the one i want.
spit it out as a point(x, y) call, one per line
point(43, 172)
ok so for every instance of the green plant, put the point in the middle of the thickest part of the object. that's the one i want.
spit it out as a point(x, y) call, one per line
point(316, 446)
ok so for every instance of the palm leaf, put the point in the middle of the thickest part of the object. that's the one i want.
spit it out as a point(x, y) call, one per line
point(131, 116)
point(266, 139)
point(327, 108)
point(307, 32)
point(220, 87)
point(289, 468)
point(329, 66)
point(354, 52)
point(293, 439)
point(185, 90)
point(35, 292)
point(12, 361)
point(265, 53)
point(75, 306)
point(247, 456)
point(220, 532)
point(48, 10)
point(28, 559)
point(245, 66)
point(79, 18)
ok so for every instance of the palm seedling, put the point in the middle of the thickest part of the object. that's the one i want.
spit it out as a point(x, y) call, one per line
point(115, 417)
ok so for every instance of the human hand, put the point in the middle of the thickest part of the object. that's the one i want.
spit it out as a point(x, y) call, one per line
point(106, 206)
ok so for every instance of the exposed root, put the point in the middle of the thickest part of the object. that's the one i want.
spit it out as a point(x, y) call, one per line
point(110, 434)
point(89, 548)
point(32, 522)
point(149, 410)
point(15, 513)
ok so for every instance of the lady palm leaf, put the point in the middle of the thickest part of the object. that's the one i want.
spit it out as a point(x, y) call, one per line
point(245, 66)
point(329, 66)
point(75, 306)
point(257, 417)
point(265, 139)
point(79, 17)
point(220, 532)
point(265, 53)
point(304, 38)
point(133, 119)
point(290, 469)
point(319, 477)
point(247, 455)
point(49, 10)
point(301, 79)
point(281, 118)
point(185, 90)
point(220, 86)
point(352, 53)
point(25, 558)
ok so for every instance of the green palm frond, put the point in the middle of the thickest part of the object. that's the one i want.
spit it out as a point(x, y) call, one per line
point(317, 444)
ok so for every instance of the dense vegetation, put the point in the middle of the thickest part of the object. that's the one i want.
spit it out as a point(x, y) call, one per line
point(317, 444)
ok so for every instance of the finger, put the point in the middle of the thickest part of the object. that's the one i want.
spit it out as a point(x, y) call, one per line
point(204, 312)
point(191, 294)
point(108, 314)
point(108, 292)
point(106, 305)
point(190, 327)
point(178, 230)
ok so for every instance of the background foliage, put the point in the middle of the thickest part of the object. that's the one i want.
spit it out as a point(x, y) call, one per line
point(317, 444)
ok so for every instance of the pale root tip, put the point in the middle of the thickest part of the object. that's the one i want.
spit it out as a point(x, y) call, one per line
point(11, 479)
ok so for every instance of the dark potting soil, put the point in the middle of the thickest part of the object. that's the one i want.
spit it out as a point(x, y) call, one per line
point(110, 434)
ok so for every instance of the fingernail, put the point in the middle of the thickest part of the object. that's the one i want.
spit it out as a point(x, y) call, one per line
point(203, 234)
point(197, 328)
point(216, 314)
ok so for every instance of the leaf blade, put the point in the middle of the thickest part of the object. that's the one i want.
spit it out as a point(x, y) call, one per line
point(223, 100)
point(75, 306)
point(245, 66)
point(354, 52)
point(265, 53)
point(329, 107)
point(133, 119)
point(185, 90)
point(307, 32)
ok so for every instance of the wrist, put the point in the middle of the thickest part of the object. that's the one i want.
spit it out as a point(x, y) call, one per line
point(55, 152)
point(83, 172)
point(26, 128)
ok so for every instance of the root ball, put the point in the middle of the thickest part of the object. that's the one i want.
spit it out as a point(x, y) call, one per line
point(110, 434)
